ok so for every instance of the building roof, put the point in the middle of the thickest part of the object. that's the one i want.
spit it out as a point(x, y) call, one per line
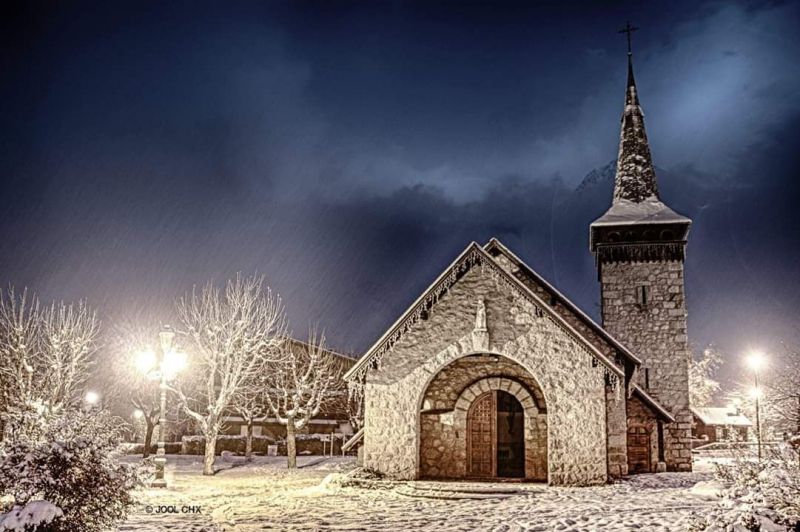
point(636, 198)
point(648, 211)
point(345, 357)
point(723, 416)
point(472, 255)
point(654, 405)
point(635, 179)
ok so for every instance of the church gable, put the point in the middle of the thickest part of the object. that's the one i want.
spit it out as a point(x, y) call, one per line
point(474, 266)
point(484, 330)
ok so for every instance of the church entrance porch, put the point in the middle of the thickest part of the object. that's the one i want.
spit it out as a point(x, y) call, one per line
point(483, 416)
point(495, 437)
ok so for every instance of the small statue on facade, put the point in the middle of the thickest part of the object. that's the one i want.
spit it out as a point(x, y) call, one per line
point(480, 334)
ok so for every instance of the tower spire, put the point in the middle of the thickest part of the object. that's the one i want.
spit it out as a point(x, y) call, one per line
point(635, 178)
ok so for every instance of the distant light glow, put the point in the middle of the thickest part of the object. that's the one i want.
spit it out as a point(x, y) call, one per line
point(756, 360)
point(755, 393)
point(92, 397)
point(145, 360)
point(138, 414)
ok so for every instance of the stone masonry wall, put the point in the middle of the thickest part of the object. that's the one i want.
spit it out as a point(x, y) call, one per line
point(656, 332)
point(617, 432)
point(573, 385)
point(443, 437)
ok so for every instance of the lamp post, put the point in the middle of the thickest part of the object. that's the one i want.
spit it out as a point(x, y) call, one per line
point(164, 369)
point(756, 362)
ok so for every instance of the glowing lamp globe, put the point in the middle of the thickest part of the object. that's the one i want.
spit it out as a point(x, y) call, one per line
point(756, 361)
point(146, 360)
point(92, 397)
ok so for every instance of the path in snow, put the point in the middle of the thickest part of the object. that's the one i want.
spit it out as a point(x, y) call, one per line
point(264, 496)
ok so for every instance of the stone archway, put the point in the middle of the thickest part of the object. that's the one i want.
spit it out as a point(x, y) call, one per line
point(444, 449)
point(534, 421)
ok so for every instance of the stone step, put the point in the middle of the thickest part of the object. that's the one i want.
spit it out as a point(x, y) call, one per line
point(455, 491)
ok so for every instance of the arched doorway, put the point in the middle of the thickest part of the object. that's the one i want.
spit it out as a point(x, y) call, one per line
point(496, 436)
point(443, 427)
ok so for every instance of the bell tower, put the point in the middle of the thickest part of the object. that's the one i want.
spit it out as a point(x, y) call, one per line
point(639, 246)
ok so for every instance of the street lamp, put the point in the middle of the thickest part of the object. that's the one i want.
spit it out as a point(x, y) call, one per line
point(756, 361)
point(166, 368)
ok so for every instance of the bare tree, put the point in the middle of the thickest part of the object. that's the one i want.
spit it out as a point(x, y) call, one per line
point(234, 335)
point(783, 389)
point(297, 387)
point(47, 355)
point(702, 385)
point(250, 407)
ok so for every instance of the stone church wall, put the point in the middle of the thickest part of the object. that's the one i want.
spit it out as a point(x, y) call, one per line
point(617, 432)
point(656, 332)
point(572, 384)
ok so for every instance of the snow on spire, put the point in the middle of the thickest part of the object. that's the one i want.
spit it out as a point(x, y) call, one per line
point(636, 178)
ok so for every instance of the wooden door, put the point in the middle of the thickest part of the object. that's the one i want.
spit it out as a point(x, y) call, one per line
point(481, 436)
point(638, 449)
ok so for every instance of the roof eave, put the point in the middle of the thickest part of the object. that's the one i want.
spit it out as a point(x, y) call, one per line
point(653, 404)
point(545, 307)
point(365, 358)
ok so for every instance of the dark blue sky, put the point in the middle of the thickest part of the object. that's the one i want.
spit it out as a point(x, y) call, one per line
point(349, 151)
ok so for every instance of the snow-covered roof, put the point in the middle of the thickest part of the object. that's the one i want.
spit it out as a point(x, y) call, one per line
point(473, 254)
point(650, 211)
point(711, 415)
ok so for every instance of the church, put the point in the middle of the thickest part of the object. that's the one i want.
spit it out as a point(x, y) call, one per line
point(492, 373)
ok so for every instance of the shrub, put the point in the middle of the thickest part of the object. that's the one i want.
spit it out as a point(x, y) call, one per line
point(758, 492)
point(75, 469)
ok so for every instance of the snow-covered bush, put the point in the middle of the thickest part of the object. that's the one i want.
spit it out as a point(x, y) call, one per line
point(34, 516)
point(758, 494)
point(74, 468)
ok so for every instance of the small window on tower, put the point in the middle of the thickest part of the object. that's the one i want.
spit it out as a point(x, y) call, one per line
point(647, 378)
point(642, 296)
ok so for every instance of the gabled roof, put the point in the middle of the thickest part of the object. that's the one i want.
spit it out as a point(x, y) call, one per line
point(348, 359)
point(557, 296)
point(472, 255)
point(720, 416)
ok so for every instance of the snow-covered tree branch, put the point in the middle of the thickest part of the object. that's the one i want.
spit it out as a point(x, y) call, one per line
point(234, 335)
point(299, 384)
point(784, 390)
point(47, 356)
point(702, 385)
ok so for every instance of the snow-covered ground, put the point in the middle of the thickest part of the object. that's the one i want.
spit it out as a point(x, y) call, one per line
point(263, 495)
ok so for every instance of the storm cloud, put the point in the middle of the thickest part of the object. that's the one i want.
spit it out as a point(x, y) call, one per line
point(350, 152)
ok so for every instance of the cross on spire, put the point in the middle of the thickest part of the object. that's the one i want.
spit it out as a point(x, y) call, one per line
point(628, 29)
